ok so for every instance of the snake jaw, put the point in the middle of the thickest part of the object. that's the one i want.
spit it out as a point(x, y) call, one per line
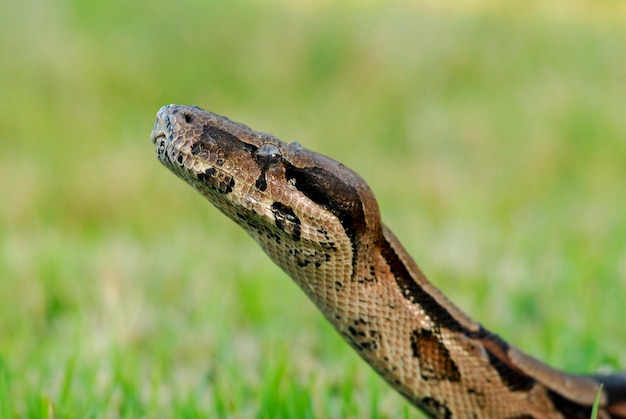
point(157, 134)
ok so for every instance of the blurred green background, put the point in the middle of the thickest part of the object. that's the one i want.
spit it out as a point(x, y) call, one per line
point(493, 136)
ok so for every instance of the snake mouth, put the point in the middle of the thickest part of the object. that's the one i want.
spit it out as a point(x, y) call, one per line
point(156, 135)
point(159, 140)
point(161, 126)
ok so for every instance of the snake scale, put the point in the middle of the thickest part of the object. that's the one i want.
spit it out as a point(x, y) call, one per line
point(319, 221)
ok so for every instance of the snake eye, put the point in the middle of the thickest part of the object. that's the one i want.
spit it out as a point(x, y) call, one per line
point(268, 155)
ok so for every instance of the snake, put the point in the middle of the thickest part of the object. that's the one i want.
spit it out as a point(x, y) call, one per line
point(319, 221)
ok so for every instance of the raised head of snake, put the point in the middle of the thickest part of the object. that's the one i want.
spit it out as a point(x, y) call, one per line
point(319, 221)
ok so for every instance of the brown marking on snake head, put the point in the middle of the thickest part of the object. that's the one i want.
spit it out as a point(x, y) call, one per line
point(226, 186)
point(222, 183)
point(434, 358)
point(286, 220)
point(261, 182)
point(213, 138)
point(329, 191)
point(207, 175)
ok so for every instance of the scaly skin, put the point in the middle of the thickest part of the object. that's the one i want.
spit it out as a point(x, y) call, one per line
point(319, 221)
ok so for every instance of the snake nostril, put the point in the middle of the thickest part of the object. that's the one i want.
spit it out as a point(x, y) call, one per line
point(188, 118)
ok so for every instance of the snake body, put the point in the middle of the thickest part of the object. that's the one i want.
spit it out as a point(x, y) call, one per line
point(319, 221)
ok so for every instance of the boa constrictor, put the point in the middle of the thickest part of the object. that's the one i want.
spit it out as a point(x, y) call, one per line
point(319, 221)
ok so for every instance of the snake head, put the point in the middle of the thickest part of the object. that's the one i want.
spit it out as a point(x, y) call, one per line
point(301, 206)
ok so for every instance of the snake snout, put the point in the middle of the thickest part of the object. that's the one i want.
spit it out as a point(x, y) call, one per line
point(162, 123)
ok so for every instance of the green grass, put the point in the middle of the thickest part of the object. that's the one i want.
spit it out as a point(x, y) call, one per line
point(596, 403)
point(494, 139)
